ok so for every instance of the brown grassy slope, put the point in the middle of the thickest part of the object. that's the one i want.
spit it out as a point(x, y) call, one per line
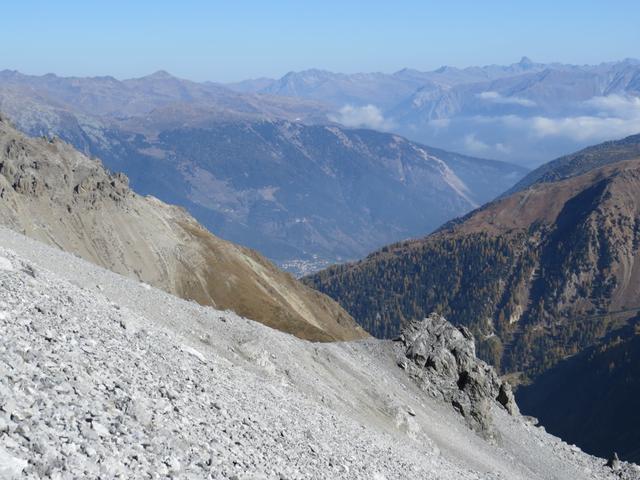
point(53, 193)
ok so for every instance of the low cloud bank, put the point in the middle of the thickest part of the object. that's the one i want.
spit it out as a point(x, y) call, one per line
point(368, 116)
point(496, 97)
point(602, 118)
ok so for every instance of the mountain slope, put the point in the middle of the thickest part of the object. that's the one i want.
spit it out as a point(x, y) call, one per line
point(521, 272)
point(51, 192)
point(608, 375)
point(123, 380)
point(107, 97)
point(307, 196)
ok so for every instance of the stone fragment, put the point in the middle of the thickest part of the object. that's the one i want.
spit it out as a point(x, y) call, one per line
point(10, 467)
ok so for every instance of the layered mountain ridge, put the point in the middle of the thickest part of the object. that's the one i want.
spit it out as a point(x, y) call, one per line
point(306, 195)
point(526, 111)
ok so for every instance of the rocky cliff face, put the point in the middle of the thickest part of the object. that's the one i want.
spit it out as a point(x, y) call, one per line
point(51, 192)
point(527, 274)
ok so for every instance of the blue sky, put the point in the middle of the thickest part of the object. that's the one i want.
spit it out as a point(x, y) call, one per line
point(232, 40)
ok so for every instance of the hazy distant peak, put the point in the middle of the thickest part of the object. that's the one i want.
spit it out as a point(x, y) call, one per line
point(631, 61)
point(445, 69)
point(525, 62)
point(160, 75)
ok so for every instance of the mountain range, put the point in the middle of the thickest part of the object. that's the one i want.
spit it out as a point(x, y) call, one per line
point(268, 172)
point(542, 281)
point(526, 112)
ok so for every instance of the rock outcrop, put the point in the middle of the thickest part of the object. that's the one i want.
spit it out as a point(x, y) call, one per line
point(443, 359)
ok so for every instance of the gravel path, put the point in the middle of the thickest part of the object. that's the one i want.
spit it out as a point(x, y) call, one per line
point(104, 377)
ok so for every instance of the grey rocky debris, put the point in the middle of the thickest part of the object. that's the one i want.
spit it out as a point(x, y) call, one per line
point(443, 359)
point(181, 394)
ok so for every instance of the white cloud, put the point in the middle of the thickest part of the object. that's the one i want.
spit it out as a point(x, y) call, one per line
point(368, 116)
point(502, 148)
point(606, 118)
point(496, 97)
point(585, 127)
point(440, 122)
point(616, 105)
point(474, 145)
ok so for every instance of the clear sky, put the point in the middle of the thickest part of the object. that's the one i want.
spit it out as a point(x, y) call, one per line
point(233, 40)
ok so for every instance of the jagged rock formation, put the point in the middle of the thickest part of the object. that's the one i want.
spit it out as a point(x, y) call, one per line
point(53, 193)
point(533, 275)
point(443, 359)
point(101, 376)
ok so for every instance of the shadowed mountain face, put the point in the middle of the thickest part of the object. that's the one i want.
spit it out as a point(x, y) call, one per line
point(53, 193)
point(256, 169)
point(525, 111)
point(521, 272)
point(589, 399)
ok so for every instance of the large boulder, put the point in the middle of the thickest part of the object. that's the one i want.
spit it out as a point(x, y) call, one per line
point(442, 358)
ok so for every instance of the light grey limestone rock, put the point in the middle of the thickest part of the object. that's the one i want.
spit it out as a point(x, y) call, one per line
point(444, 356)
point(81, 397)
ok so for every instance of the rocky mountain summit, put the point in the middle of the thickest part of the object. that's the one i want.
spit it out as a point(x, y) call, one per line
point(102, 376)
point(51, 192)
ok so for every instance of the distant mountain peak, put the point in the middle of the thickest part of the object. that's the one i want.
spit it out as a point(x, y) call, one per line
point(444, 69)
point(160, 75)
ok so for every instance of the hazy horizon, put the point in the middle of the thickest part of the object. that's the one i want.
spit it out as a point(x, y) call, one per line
point(223, 42)
point(275, 77)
